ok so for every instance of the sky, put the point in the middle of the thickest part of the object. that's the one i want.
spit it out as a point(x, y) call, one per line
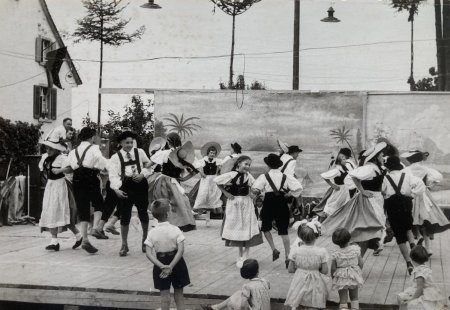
point(368, 50)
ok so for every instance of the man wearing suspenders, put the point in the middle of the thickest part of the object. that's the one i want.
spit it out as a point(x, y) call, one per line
point(289, 160)
point(127, 174)
point(86, 162)
point(277, 188)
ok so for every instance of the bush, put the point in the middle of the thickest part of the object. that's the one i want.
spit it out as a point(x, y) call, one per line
point(17, 140)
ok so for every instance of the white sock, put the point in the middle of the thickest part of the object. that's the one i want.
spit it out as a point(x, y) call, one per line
point(78, 236)
point(354, 304)
point(54, 241)
point(343, 306)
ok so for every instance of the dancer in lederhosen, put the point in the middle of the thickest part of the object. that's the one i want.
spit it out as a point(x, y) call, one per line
point(363, 215)
point(428, 217)
point(86, 161)
point(240, 227)
point(176, 163)
point(208, 196)
point(127, 173)
point(399, 188)
point(55, 215)
point(277, 188)
point(335, 178)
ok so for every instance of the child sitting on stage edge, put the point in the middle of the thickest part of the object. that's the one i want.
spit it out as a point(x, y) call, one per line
point(167, 243)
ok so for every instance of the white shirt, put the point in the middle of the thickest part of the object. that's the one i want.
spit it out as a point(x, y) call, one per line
point(94, 158)
point(338, 170)
point(411, 185)
point(56, 134)
point(290, 169)
point(228, 157)
point(202, 162)
point(421, 171)
point(165, 237)
point(292, 184)
point(161, 157)
point(115, 168)
point(366, 172)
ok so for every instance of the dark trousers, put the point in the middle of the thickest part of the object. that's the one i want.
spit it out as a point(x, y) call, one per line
point(137, 195)
point(399, 213)
point(111, 202)
point(275, 208)
point(86, 189)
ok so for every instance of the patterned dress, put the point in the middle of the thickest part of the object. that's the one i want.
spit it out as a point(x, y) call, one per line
point(431, 299)
point(348, 274)
point(256, 291)
point(309, 287)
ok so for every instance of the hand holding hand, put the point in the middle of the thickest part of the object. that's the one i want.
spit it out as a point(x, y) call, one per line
point(138, 178)
point(121, 194)
point(166, 271)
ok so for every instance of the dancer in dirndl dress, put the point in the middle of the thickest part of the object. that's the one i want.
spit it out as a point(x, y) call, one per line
point(176, 162)
point(235, 152)
point(363, 215)
point(208, 196)
point(335, 178)
point(55, 215)
point(427, 216)
point(240, 227)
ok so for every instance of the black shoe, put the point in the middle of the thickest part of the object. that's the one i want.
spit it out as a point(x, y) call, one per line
point(77, 243)
point(275, 255)
point(52, 247)
point(410, 267)
point(89, 248)
point(99, 234)
point(144, 248)
point(123, 250)
point(411, 245)
point(287, 263)
point(112, 230)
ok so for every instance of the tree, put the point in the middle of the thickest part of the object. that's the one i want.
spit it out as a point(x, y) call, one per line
point(183, 126)
point(240, 84)
point(412, 6)
point(342, 135)
point(233, 8)
point(428, 83)
point(103, 24)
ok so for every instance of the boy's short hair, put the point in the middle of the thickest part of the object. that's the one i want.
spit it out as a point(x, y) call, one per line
point(341, 237)
point(250, 268)
point(159, 208)
point(419, 254)
point(306, 233)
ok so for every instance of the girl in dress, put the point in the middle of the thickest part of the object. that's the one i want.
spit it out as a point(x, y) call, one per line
point(240, 227)
point(55, 216)
point(235, 152)
point(335, 178)
point(208, 196)
point(423, 295)
point(176, 162)
point(254, 295)
point(363, 215)
point(311, 284)
point(346, 269)
point(428, 218)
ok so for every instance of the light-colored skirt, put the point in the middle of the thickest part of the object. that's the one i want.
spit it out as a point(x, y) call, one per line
point(240, 223)
point(347, 278)
point(336, 200)
point(432, 299)
point(208, 196)
point(427, 214)
point(363, 217)
point(164, 187)
point(55, 206)
point(309, 288)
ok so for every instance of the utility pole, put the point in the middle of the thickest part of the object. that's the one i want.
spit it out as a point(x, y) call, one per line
point(296, 53)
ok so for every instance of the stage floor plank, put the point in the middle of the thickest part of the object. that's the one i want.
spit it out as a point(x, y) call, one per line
point(25, 266)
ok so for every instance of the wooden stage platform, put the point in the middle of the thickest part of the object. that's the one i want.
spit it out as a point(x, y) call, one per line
point(28, 273)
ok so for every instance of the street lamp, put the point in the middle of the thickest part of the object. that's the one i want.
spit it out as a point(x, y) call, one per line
point(330, 18)
point(151, 5)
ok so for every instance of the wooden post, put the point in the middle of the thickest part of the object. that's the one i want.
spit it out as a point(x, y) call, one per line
point(296, 53)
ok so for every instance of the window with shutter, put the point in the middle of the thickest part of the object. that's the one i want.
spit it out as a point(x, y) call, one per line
point(53, 103)
point(36, 102)
point(44, 103)
point(38, 50)
point(43, 46)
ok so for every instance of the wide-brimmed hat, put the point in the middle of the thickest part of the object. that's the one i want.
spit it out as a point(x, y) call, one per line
point(157, 144)
point(294, 149)
point(414, 156)
point(283, 146)
point(208, 145)
point(59, 146)
point(236, 148)
point(393, 163)
point(273, 161)
point(373, 151)
point(185, 152)
point(126, 134)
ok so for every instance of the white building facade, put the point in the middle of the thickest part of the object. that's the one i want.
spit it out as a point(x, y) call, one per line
point(28, 33)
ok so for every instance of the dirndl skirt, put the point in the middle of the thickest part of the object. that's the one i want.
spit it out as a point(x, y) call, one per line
point(336, 200)
point(363, 217)
point(55, 206)
point(164, 187)
point(208, 196)
point(428, 215)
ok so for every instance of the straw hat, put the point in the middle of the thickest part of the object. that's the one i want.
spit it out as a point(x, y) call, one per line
point(373, 151)
point(157, 144)
point(206, 146)
point(59, 146)
point(185, 152)
point(283, 146)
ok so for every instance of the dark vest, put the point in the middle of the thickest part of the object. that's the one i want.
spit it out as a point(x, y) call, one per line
point(210, 168)
point(48, 169)
point(171, 170)
point(238, 187)
point(375, 184)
